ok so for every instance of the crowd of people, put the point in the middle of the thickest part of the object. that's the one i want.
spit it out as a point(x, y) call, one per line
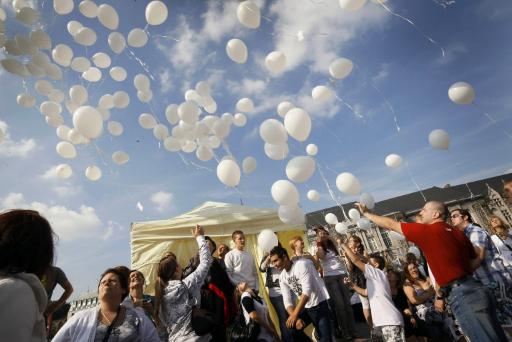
point(458, 289)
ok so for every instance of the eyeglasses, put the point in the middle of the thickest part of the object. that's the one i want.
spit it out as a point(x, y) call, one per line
point(455, 216)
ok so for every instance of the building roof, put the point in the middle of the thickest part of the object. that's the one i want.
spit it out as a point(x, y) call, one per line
point(413, 202)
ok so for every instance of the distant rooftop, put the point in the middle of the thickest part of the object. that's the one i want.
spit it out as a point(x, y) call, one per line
point(413, 202)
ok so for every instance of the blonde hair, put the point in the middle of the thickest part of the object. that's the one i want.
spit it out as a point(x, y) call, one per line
point(294, 240)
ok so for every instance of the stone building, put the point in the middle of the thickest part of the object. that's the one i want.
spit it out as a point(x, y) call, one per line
point(84, 301)
point(481, 198)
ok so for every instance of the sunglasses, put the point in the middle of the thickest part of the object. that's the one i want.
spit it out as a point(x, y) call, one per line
point(455, 216)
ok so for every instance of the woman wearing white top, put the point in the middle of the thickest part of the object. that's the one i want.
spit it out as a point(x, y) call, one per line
point(334, 273)
point(502, 240)
point(26, 252)
point(253, 307)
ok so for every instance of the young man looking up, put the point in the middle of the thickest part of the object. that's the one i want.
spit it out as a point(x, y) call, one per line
point(240, 264)
point(452, 259)
point(301, 279)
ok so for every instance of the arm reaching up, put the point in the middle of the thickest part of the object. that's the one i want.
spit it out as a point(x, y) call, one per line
point(381, 221)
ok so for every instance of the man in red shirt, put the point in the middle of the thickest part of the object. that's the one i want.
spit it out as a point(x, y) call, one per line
point(452, 259)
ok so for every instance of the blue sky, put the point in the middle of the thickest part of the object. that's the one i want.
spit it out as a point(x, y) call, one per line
point(395, 64)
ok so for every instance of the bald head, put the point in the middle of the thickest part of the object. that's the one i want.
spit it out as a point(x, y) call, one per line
point(433, 211)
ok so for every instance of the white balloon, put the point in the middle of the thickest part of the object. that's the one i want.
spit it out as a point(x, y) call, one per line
point(368, 200)
point(108, 16)
point(121, 99)
point(43, 87)
point(354, 214)
point(276, 152)
point(275, 62)
point(172, 144)
point(192, 95)
point(245, 105)
point(73, 26)
point(331, 219)
point(228, 117)
point(66, 150)
point(348, 183)
point(160, 131)
point(298, 124)
point(118, 73)
point(393, 160)
point(156, 12)
point(300, 169)
point(204, 153)
point(188, 112)
point(341, 227)
point(312, 149)
point(78, 94)
point(80, 64)
point(137, 38)
point(26, 100)
point(26, 46)
point(56, 95)
point(35, 70)
point(117, 42)
point(63, 171)
point(210, 105)
point(88, 121)
point(147, 121)
point(439, 139)
point(313, 195)
point(93, 173)
point(221, 128)
point(54, 121)
point(62, 55)
point(203, 88)
point(171, 113)
point(249, 164)
point(106, 101)
point(237, 50)
point(12, 48)
point(461, 93)
point(291, 214)
point(284, 192)
point(115, 128)
point(27, 15)
point(50, 108)
point(105, 113)
point(188, 146)
point(214, 142)
point(273, 132)
point(101, 60)
point(63, 132)
point(63, 7)
point(41, 39)
point(2, 135)
point(340, 68)
point(75, 137)
point(85, 36)
point(41, 59)
point(120, 157)
point(228, 172)
point(267, 240)
point(239, 120)
point(351, 5)
point(92, 74)
point(54, 71)
point(321, 93)
point(248, 14)
point(364, 223)
point(145, 96)
point(141, 82)
point(88, 8)
point(284, 107)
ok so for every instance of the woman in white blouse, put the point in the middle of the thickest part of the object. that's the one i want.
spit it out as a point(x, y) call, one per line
point(501, 239)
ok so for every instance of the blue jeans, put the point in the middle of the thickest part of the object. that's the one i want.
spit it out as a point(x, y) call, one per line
point(319, 316)
point(475, 310)
point(282, 315)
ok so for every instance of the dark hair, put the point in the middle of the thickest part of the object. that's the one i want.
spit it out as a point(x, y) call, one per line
point(280, 252)
point(463, 212)
point(235, 233)
point(380, 260)
point(411, 257)
point(124, 270)
point(213, 243)
point(408, 274)
point(399, 275)
point(123, 278)
point(166, 269)
point(139, 272)
point(26, 242)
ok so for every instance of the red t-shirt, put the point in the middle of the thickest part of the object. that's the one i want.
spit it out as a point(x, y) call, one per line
point(447, 250)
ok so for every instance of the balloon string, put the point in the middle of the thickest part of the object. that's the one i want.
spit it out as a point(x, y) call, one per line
point(331, 192)
point(413, 25)
point(414, 181)
point(349, 106)
point(226, 147)
point(165, 36)
point(141, 63)
point(491, 119)
point(390, 106)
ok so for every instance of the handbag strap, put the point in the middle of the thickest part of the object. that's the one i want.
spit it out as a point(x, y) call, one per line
point(111, 326)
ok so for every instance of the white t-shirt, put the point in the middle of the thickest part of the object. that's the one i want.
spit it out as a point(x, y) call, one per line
point(331, 263)
point(302, 278)
point(505, 252)
point(383, 310)
point(240, 267)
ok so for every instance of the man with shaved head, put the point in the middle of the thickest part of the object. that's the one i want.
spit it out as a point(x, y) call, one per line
point(452, 260)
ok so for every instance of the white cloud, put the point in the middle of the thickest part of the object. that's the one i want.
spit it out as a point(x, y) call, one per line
point(50, 174)
point(13, 148)
point(67, 190)
point(68, 224)
point(162, 200)
point(165, 81)
point(382, 74)
point(247, 87)
point(112, 228)
point(219, 19)
point(326, 28)
point(314, 108)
